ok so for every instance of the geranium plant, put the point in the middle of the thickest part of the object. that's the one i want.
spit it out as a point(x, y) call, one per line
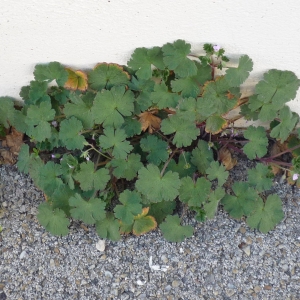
point(120, 146)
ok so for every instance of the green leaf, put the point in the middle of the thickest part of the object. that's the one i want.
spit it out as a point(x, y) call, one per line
point(48, 177)
point(161, 209)
point(145, 88)
point(155, 186)
point(51, 71)
point(131, 207)
point(37, 93)
point(162, 98)
point(175, 58)
point(215, 124)
point(202, 156)
point(105, 76)
point(277, 87)
point(108, 228)
point(60, 198)
point(87, 211)
point(173, 231)
point(185, 132)
point(215, 96)
point(156, 148)
point(142, 59)
point(23, 159)
point(244, 201)
point(37, 119)
point(266, 215)
point(190, 86)
point(194, 193)
point(60, 94)
point(258, 142)
point(260, 177)
point(127, 168)
point(90, 179)
point(54, 221)
point(69, 165)
point(69, 134)
point(248, 113)
point(117, 140)
point(212, 205)
point(131, 126)
point(110, 107)
point(183, 167)
point(187, 109)
point(217, 171)
point(288, 121)
point(80, 109)
point(7, 111)
point(236, 76)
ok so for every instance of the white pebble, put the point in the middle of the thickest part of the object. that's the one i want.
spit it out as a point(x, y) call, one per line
point(23, 254)
point(100, 245)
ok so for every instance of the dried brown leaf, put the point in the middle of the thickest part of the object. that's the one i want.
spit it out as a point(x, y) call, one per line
point(226, 158)
point(149, 121)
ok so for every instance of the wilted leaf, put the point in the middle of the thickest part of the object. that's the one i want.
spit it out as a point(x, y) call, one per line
point(77, 80)
point(11, 146)
point(149, 121)
point(226, 158)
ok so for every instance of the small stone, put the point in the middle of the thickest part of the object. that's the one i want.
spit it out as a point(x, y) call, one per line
point(285, 267)
point(259, 240)
point(77, 282)
point(100, 245)
point(257, 289)
point(249, 240)
point(164, 259)
point(230, 293)
point(267, 287)
point(2, 285)
point(176, 283)
point(23, 254)
point(168, 288)
point(242, 230)
point(231, 286)
point(247, 250)
point(52, 263)
point(56, 250)
point(83, 282)
point(235, 271)
point(4, 204)
point(108, 274)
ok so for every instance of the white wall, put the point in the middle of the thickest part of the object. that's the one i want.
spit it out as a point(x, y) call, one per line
point(83, 33)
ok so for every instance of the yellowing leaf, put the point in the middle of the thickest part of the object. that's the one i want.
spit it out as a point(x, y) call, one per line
point(77, 80)
point(143, 223)
point(149, 121)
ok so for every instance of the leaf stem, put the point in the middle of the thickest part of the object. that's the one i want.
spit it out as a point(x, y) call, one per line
point(167, 162)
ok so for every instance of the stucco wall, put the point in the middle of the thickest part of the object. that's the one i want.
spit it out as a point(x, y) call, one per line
point(83, 33)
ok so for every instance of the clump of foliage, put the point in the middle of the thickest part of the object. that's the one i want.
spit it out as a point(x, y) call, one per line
point(119, 146)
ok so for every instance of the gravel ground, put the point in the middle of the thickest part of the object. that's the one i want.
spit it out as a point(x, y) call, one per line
point(223, 260)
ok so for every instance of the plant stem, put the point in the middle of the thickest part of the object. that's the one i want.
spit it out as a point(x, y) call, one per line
point(167, 162)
